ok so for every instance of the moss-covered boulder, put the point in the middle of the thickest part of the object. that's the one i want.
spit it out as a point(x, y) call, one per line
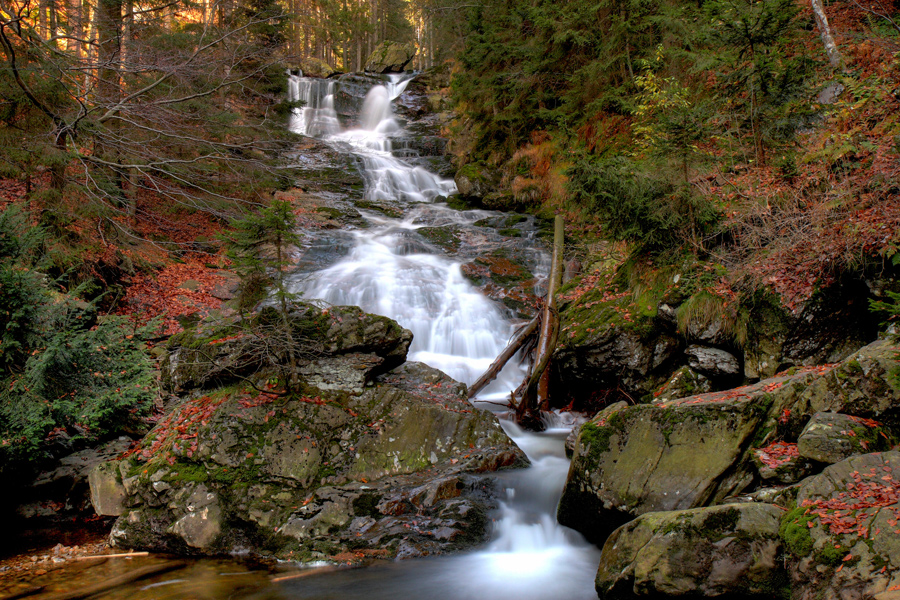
point(390, 57)
point(314, 67)
point(843, 537)
point(676, 455)
point(309, 475)
point(476, 180)
point(731, 551)
point(338, 347)
point(832, 437)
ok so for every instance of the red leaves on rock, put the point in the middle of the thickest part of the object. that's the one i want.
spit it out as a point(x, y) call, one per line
point(777, 454)
point(851, 511)
point(167, 294)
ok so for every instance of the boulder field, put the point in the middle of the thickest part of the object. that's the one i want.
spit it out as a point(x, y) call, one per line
point(784, 488)
point(367, 454)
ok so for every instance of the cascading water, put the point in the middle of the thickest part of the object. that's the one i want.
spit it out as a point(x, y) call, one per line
point(456, 329)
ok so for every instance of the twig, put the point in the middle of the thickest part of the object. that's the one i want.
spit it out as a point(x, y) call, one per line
point(120, 555)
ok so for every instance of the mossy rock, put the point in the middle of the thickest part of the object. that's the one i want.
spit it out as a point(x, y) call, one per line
point(290, 475)
point(645, 458)
point(842, 534)
point(390, 57)
point(732, 550)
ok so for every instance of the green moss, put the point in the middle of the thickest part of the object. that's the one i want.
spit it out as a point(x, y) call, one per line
point(388, 211)
point(794, 531)
point(829, 555)
point(510, 232)
point(720, 522)
point(596, 437)
point(184, 471)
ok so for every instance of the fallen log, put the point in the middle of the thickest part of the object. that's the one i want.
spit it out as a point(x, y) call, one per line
point(501, 360)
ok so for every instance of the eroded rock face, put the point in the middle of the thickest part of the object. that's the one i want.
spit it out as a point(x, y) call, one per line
point(309, 476)
point(732, 549)
point(842, 535)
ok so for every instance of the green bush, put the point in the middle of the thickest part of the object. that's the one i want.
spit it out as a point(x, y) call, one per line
point(65, 375)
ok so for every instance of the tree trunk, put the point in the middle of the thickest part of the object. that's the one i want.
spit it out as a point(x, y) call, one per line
point(831, 49)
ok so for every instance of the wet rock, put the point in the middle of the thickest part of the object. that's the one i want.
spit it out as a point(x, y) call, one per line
point(676, 455)
point(685, 382)
point(841, 537)
point(730, 550)
point(713, 362)
point(342, 346)
point(313, 475)
point(390, 57)
point(505, 279)
point(832, 437)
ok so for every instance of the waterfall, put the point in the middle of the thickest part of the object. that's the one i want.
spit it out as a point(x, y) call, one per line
point(457, 330)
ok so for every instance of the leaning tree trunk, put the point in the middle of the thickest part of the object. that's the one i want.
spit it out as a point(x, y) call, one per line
point(528, 408)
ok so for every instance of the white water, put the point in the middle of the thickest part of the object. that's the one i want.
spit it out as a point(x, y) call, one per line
point(460, 331)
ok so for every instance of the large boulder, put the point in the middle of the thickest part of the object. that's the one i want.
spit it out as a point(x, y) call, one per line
point(338, 347)
point(668, 456)
point(315, 67)
point(313, 474)
point(390, 57)
point(64, 489)
point(843, 535)
point(731, 550)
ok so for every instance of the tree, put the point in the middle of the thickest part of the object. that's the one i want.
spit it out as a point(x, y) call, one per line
point(176, 109)
point(750, 41)
point(260, 250)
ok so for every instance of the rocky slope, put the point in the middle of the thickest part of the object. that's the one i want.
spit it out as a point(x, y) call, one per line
point(658, 482)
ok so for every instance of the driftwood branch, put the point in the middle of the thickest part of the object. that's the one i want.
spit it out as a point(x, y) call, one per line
point(517, 342)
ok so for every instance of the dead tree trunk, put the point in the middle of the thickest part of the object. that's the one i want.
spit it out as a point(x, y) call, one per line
point(504, 357)
point(528, 408)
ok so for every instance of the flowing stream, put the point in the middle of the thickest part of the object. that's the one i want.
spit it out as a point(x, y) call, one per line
point(390, 270)
point(388, 266)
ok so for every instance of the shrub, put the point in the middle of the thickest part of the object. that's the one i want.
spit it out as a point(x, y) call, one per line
point(635, 205)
